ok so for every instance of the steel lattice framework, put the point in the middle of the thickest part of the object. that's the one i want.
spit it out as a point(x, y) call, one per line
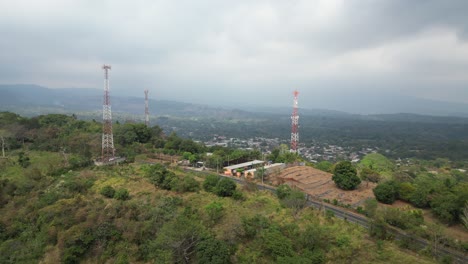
point(295, 125)
point(146, 109)
point(108, 151)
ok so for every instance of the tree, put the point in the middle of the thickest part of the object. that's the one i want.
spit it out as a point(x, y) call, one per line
point(345, 176)
point(260, 173)
point(213, 251)
point(225, 187)
point(386, 192)
point(180, 237)
point(3, 135)
point(436, 234)
point(445, 206)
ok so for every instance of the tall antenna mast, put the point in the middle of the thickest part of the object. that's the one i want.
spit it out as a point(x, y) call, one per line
point(294, 125)
point(108, 151)
point(146, 109)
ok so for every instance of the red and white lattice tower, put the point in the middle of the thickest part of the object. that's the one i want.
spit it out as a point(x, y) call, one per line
point(295, 125)
point(108, 151)
point(146, 109)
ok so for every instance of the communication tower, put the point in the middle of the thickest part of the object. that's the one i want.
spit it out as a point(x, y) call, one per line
point(108, 151)
point(294, 125)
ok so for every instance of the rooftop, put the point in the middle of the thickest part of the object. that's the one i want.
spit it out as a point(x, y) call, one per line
point(245, 164)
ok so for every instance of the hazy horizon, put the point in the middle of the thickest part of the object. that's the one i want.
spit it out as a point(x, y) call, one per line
point(243, 52)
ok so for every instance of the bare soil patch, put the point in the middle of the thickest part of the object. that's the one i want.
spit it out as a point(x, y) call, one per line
point(319, 184)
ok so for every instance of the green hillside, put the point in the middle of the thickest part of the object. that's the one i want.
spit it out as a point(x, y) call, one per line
point(379, 163)
point(67, 218)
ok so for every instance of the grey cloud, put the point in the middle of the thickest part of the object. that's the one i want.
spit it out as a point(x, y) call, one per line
point(244, 50)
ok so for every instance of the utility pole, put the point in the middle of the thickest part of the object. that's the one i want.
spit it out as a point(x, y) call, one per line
point(146, 109)
point(294, 125)
point(108, 151)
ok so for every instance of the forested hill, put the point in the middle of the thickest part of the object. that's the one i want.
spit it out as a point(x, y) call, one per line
point(33, 100)
point(400, 135)
point(30, 100)
point(56, 207)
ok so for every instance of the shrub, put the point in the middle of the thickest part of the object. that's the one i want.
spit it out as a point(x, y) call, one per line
point(315, 237)
point(77, 245)
point(403, 219)
point(254, 225)
point(295, 200)
point(307, 257)
point(108, 191)
point(276, 244)
point(345, 176)
point(238, 195)
point(162, 177)
point(283, 191)
point(420, 197)
point(446, 207)
point(215, 211)
point(188, 184)
point(210, 182)
point(122, 194)
point(170, 181)
point(23, 160)
point(213, 251)
point(225, 187)
point(370, 207)
point(406, 190)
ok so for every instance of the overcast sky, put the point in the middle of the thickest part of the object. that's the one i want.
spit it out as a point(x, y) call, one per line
point(240, 51)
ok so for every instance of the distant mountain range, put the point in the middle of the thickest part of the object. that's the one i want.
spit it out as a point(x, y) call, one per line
point(34, 100)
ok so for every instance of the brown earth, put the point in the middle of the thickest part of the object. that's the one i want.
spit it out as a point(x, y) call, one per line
point(319, 184)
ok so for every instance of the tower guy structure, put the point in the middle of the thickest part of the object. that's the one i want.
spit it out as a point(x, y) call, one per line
point(146, 109)
point(294, 125)
point(108, 151)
